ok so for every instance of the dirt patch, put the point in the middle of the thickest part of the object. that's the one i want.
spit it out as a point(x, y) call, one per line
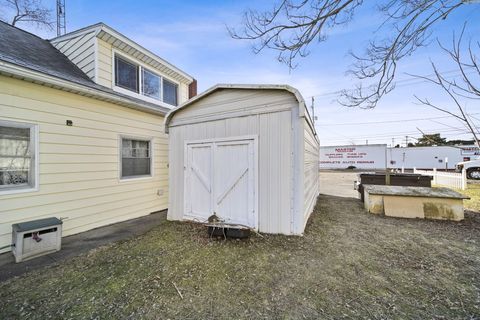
point(338, 183)
point(349, 264)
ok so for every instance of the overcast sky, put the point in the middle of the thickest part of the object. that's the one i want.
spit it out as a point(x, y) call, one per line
point(193, 36)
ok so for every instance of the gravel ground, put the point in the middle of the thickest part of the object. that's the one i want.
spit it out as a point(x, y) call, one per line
point(338, 183)
point(349, 264)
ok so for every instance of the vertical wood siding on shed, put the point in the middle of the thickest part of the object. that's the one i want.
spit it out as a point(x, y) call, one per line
point(81, 51)
point(311, 167)
point(266, 113)
point(79, 165)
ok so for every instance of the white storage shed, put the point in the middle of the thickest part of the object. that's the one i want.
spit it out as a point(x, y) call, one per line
point(248, 153)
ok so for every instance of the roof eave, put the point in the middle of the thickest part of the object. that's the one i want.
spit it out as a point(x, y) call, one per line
point(13, 70)
point(99, 27)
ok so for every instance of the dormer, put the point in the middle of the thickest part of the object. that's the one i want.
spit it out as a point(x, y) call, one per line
point(112, 60)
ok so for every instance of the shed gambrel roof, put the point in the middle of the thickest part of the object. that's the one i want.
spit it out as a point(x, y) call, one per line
point(28, 57)
point(303, 112)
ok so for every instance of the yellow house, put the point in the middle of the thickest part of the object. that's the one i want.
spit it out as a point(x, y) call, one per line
point(81, 128)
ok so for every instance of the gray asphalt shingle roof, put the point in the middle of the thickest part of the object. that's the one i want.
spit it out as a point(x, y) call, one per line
point(30, 51)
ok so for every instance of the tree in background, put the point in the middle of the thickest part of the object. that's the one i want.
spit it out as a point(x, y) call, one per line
point(291, 26)
point(458, 142)
point(465, 88)
point(28, 11)
point(428, 140)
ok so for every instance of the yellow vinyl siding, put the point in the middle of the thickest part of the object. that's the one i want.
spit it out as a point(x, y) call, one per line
point(182, 93)
point(79, 165)
point(104, 63)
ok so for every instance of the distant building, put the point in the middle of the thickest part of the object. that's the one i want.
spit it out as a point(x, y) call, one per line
point(379, 157)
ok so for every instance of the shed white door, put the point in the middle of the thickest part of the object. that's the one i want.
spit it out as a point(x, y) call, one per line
point(220, 179)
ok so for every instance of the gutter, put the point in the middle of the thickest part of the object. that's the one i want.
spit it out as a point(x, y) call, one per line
point(70, 86)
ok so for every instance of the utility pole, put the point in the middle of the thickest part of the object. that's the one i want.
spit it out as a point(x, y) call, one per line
point(61, 20)
point(313, 111)
point(406, 141)
point(393, 142)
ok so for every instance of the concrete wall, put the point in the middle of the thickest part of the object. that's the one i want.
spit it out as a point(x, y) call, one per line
point(79, 165)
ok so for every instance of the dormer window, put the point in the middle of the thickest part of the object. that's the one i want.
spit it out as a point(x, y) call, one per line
point(126, 74)
point(151, 84)
point(142, 81)
point(169, 92)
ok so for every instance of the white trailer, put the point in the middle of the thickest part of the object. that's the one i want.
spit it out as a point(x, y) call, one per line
point(441, 157)
point(246, 153)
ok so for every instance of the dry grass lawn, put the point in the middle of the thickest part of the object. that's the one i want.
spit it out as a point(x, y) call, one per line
point(349, 264)
point(473, 191)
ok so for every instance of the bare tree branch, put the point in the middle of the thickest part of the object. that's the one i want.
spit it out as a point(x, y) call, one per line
point(27, 11)
point(466, 88)
point(292, 25)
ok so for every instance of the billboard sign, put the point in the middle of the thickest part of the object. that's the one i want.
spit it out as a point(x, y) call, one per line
point(361, 157)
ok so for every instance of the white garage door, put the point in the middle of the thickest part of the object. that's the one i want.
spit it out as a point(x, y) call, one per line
point(220, 179)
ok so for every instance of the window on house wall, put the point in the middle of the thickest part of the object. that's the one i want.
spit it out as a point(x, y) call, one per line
point(169, 92)
point(17, 156)
point(135, 158)
point(150, 84)
point(126, 74)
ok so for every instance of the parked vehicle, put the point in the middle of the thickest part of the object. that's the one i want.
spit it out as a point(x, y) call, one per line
point(472, 167)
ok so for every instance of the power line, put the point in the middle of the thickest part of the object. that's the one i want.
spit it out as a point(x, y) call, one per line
point(381, 122)
point(402, 134)
point(402, 82)
point(398, 137)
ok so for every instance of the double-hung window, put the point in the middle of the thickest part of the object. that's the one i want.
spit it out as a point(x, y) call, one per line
point(143, 81)
point(17, 156)
point(136, 158)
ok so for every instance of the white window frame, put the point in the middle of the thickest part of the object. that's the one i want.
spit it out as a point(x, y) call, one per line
point(160, 99)
point(34, 142)
point(128, 61)
point(120, 156)
point(140, 94)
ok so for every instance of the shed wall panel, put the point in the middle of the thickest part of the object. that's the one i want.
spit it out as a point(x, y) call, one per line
point(79, 165)
point(274, 167)
point(311, 169)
